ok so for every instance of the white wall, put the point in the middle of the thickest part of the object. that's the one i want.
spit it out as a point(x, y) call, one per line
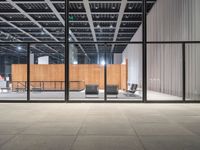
point(31, 58)
point(117, 58)
point(73, 54)
point(43, 60)
point(169, 20)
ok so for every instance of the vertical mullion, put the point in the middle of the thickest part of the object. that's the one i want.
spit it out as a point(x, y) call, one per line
point(105, 77)
point(28, 72)
point(144, 50)
point(184, 72)
point(66, 50)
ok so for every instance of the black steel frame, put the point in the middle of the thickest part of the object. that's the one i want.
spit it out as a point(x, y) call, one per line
point(144, 43)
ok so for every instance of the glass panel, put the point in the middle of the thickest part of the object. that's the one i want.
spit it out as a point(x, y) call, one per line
point(164, 68)
point(86, 73)
point(13, 72)
point(192, 72)
point(124, 73)
point(47, 73)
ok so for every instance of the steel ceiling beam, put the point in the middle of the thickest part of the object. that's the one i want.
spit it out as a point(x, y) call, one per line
point(63, 22)
point(30, 18)
point(119, 21)
point(94, 2)
point(89, 16)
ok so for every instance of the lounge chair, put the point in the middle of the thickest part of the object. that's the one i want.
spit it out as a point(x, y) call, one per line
point(112, 90)
point(92, 90)
point(132, 90)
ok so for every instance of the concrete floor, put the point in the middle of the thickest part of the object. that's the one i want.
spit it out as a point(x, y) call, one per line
point(99, 126)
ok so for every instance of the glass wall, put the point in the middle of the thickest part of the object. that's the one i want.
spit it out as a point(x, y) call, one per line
point(47, 72)
point(13, 72)
point(86, 74)
point(192, 72)
point(104, 64)
point(124, 73)
point(164, 68)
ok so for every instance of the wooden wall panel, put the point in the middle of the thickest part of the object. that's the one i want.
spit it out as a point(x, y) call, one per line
point(88, 73)
point(124, 77)
point(47, 72)
point(19, 72)
point(114, 75)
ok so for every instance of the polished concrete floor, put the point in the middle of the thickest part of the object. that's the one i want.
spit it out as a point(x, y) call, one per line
point(99, 126)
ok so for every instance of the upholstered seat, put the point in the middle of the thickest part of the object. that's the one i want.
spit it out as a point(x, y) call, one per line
point(112, 90)
point(92, 89)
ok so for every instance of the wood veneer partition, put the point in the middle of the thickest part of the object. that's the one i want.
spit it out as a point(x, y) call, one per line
point(53, 75)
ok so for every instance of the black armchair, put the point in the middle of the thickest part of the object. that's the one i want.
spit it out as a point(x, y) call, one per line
point(132, 90)
point(112, 90)
point(92, 90)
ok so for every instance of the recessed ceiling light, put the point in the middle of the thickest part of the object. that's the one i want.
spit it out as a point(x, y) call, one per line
point(113, 7)
point(130, 7)
point(98, 26)
point(42, 32)
point(19, 47)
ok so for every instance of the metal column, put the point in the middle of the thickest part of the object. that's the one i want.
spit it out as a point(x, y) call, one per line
point(144, 51)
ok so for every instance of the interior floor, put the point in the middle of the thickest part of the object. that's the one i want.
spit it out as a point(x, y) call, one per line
point(74, 96)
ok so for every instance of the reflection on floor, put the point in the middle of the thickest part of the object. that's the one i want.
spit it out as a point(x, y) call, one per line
point(81, 96)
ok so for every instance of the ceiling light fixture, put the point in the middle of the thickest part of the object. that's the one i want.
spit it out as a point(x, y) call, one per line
point(42, 33)
point(98, 26)
point(113, 7)
point(19, 48)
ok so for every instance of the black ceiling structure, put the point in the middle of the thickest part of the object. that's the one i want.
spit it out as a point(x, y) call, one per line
point(89, 20)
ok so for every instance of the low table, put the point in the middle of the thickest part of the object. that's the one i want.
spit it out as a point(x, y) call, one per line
point(36, 89)
point(20, 90)
point(4, 90)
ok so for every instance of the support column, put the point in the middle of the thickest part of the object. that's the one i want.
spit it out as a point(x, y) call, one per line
point(184, 72)
point(66, 50)
point(28, 72)
point(144, 51)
